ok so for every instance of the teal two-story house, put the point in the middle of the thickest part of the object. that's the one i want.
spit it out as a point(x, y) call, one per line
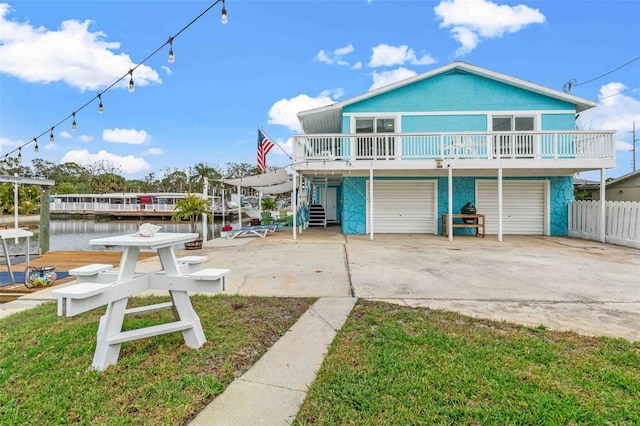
point(398, 158)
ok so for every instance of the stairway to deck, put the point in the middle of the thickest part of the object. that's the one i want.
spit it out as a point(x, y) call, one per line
point(317, 215)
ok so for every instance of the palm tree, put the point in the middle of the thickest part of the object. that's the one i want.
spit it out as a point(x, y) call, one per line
point(190, 209)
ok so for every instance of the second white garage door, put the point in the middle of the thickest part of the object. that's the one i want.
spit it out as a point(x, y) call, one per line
point(524, 204)
point(403, 206)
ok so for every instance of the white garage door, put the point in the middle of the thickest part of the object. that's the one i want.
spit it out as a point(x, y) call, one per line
point(402, 206)
point(523, 206)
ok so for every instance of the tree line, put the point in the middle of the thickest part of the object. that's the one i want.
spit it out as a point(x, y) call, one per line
point(104, 177)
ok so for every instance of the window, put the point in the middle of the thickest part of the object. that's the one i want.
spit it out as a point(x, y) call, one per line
point(513, 145)
point(375, 146)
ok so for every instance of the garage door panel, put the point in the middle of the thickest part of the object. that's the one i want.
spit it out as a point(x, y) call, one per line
point(403, 207)
point(523, 206)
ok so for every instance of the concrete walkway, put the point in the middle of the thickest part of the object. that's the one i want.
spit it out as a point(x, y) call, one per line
point(562, 283)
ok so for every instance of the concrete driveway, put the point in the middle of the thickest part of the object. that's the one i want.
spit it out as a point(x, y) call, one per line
point(561, 283)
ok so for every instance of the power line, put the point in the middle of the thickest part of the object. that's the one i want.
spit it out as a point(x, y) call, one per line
point(573, 83)
point(131, 83)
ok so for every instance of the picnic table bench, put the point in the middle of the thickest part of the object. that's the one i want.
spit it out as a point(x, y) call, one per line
point(99, 284)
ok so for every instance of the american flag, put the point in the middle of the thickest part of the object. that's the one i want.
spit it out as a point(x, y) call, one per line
point(264, 146)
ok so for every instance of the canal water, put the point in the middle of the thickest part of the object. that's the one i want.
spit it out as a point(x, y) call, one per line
point(74, 235)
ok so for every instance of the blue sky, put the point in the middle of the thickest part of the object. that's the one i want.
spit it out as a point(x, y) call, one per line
point(275, 58)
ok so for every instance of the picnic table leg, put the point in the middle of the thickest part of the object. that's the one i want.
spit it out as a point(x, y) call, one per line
point(194, 336)
point(110, 325)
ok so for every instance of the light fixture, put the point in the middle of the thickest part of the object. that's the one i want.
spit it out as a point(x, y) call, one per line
point(20, 154)
point(171, 58)
point(36, 149)
point(224, 12)
point(74, 125)
point(131, 85)
point(100, 106)
point(52, 139)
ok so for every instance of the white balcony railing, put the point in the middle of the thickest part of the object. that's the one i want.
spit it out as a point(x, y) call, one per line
point(480, 146)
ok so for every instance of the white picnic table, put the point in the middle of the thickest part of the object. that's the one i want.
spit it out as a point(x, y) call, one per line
point(98, 285)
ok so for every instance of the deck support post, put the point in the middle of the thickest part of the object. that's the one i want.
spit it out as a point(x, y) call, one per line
point(500, 203)
point(371, 202)
point(294, 204)
point(450, 206)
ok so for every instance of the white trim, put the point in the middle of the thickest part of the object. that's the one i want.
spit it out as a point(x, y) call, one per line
point(479, 112)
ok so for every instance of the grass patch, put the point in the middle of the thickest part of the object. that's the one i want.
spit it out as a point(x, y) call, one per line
point(393, 365)
point(44, 362)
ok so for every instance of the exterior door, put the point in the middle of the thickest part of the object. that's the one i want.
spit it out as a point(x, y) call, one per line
point(332, 204)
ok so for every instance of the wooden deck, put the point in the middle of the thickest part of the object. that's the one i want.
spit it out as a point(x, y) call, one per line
point(63, 261)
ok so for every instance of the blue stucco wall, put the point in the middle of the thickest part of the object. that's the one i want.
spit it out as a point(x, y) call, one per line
point(354, 205)
point(457, 91)
point(354, 197)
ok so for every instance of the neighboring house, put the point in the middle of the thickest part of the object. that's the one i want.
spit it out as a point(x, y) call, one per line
point(624, 188)
point(435, 141)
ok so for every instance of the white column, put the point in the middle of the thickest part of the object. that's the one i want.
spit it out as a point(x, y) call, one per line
point(371, 203)
point(603, 207)
point(294, 204)
point(450, 205)
point(499, 203)
point(239, 208)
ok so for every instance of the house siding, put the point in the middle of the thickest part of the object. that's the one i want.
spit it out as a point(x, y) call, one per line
point(457, 91)
point(558, 122)
point(444, 123)
point(354, 211)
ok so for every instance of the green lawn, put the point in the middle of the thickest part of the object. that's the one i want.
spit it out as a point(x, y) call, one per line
point(393, 365)
point(45, 377)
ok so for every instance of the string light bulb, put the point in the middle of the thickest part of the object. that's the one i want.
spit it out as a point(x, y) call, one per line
point(131, 84)
point(20, 154)
point(74, 125)
point(171, 57)
point(224, 12)
point(100, 106)
point(36, 149)
point(52, 139)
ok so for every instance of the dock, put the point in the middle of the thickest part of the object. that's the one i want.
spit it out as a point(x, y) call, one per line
point(64, 261)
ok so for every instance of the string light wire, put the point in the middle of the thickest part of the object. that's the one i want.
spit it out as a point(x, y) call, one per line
point(127, 74)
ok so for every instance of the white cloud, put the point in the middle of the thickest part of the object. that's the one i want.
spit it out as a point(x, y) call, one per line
point(130, 136)
point(65, 134)
point(85, 138)
point(166, 69)
point(613, 113)
point(87, 62)
point(128, 164)
point(8, 143)
point(336, 57)
point(472, 20)
point(357, 66)
point(285, 111)
point(155, 151)
point(387, 56)
point(387, 77)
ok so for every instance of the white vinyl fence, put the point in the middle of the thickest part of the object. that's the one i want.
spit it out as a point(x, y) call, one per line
point(622, 223)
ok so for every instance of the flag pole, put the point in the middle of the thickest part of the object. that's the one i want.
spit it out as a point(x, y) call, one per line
point(274, 142)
